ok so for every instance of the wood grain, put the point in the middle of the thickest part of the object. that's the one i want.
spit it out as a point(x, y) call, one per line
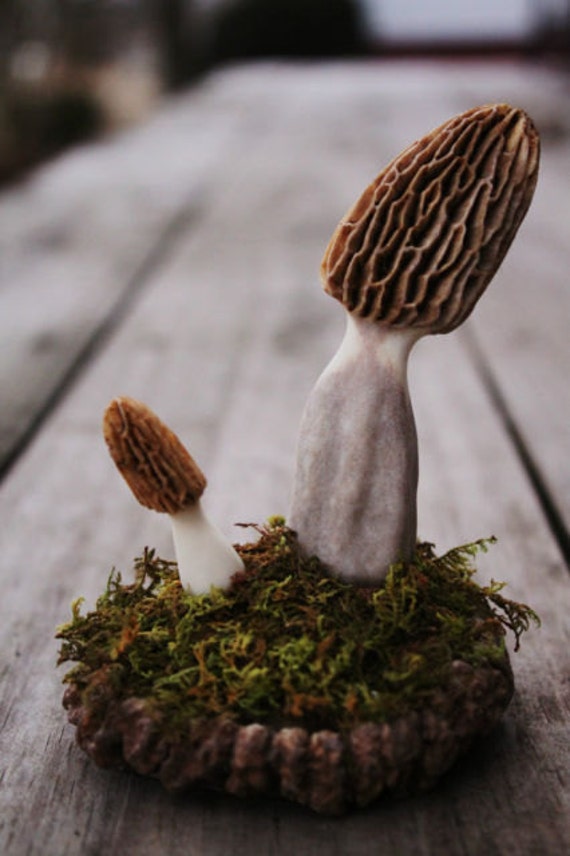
point(224, 342)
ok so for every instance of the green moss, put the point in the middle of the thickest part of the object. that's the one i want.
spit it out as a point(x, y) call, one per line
point(287, 643)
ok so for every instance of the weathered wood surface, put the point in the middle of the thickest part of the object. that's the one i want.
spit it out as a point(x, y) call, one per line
point(81, 237)
point(225, 337)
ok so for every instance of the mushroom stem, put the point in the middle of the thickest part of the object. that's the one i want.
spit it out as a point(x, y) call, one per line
point(354, 500)
point(204, 556)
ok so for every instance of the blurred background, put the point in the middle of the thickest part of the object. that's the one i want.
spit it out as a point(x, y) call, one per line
point(73, 69)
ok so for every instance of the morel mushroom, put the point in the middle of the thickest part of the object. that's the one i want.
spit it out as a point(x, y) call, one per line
point(164, 477)
point(411, 257)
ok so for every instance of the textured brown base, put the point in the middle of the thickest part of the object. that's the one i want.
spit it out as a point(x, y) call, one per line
point(325, 770)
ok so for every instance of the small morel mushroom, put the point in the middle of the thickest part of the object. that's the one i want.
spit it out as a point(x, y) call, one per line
point(411, 257)
point(164, 477)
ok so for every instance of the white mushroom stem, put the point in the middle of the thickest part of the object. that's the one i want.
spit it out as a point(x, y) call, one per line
point(205, 558)
point(164, 476)
point(354, 500)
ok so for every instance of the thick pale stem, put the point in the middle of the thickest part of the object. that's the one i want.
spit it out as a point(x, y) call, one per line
point(204, 556)
point(354, 497)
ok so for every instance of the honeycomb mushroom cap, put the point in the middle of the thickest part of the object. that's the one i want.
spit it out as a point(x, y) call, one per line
point(423, 241)
point(159, 470)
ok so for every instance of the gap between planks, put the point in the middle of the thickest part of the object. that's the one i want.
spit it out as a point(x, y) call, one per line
point(550, 509)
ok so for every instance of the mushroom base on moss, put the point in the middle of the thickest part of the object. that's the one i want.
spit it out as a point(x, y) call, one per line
point(292, 682)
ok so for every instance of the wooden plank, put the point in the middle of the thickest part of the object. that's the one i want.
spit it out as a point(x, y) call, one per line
point(225, 344)
point(522, 331)
point(78, 239)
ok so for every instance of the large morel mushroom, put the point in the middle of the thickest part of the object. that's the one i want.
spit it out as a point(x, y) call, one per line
point(411, 257)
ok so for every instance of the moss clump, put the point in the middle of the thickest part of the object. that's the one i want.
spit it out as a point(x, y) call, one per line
point(287, 643)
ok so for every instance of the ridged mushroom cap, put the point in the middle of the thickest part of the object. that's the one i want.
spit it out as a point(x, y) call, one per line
point(157, 467)
point(425, 238)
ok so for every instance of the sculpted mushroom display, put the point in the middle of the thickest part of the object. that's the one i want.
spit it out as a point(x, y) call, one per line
point(164, 477)
point(287, 679)
point(411, 257)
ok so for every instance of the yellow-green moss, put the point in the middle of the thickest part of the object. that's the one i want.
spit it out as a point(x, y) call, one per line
point(287, 643)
